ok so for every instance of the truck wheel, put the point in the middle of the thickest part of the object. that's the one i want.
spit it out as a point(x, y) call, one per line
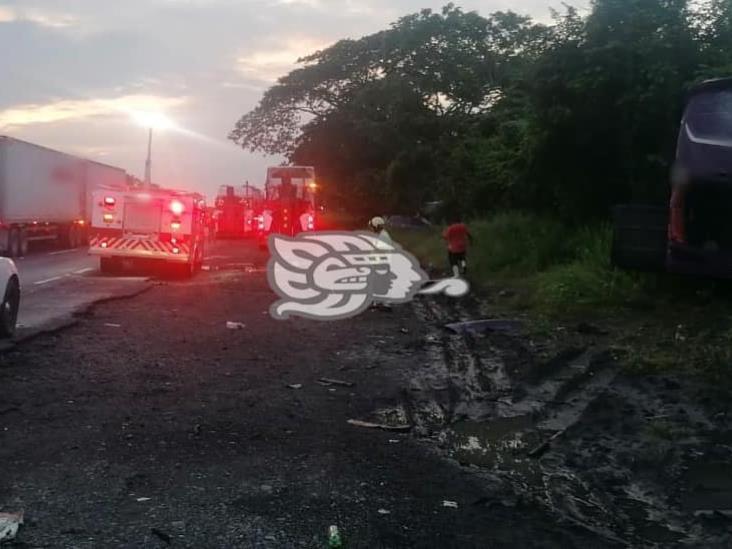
point(14, 243)
point(73, 237)
point(23, 243)
point(109, 265)
point(9, 308)
point(200, 253)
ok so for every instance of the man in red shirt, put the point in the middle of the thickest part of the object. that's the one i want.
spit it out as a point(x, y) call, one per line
point(457, 236)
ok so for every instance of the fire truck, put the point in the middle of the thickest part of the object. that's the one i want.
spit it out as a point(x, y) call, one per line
point(289, 204)
point(158, 226)
point(236, 209)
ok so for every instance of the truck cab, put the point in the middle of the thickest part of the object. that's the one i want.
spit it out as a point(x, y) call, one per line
point(693, 234)
point(289, 203)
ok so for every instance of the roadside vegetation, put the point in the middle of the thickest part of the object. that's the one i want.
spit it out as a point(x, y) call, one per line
point(530, 130)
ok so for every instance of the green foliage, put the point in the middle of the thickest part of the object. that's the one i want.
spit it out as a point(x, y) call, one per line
point(498, 111)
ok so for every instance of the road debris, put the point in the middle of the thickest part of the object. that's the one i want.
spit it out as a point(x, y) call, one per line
point(370, 425)
point(231, 325)
point(205, 267)
point(590, 329)
point(334, 537)
point(384, 512)
point(404, 330)
point(450, 504)
point(544, 446)
point(162, 535)
point(112, 325)
point(295, 386)
point(143, 499)
point(486, 325)
point(331, 381)
point(9, 524)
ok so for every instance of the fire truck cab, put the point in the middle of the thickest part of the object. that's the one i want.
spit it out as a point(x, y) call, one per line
point(289, 204)
point(157, 225)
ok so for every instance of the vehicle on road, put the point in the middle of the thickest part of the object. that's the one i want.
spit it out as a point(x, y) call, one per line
point(693, 234)
point(236, 209)
point(290, 202)
point(158, 226)
point(45, 195)
point(10, 305)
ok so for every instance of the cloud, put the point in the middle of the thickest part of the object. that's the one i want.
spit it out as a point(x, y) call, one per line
point(65, 110)
point(43, 18)
point(271, 63)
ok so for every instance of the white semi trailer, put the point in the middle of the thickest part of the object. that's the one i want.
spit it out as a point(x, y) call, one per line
point(46, 195)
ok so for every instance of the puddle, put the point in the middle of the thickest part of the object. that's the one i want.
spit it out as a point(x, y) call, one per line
point(499, 445)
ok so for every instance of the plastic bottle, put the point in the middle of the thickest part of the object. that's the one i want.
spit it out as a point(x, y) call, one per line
point(334, 538)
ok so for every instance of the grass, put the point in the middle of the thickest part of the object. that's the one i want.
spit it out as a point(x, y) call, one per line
point(560, 268)
point(659, 322)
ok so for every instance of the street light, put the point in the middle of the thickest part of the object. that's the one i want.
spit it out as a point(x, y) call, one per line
point(151, 120)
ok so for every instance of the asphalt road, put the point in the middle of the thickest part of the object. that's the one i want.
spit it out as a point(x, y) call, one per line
point(150, 423)
point(58, 284)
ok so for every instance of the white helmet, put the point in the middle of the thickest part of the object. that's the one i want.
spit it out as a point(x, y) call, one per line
point(377, 222)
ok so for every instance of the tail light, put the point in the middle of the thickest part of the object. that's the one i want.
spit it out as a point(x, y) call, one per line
point(110, 201)
point(311, 223)
point(108, 218)
point(176, 206)
point(676, 229)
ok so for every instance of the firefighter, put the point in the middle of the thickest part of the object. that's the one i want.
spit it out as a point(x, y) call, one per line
point(377, 224)
point(457, 235)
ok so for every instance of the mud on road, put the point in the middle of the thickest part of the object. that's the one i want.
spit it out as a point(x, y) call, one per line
point(151, 424)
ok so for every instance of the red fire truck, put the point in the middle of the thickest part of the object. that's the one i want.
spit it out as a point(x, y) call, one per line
point(236, 209)
point(156, 225)
point(289, 204)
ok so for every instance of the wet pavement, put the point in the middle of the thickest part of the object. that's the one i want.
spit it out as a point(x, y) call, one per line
point(149, 423)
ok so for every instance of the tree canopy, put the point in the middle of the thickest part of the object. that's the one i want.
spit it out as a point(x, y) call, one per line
point(498, 111)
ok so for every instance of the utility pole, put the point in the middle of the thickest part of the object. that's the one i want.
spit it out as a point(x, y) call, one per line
point(148, 163)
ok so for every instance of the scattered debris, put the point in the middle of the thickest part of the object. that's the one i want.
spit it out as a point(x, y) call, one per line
point(486, 325)
point(143, 499)
point(450, 504)
point(330, 381)
point(404, 331)
point(544, 446)
point(384, 512)
point(112, 325)
point(680, 335)
point(369, 425)
point(295, 386)
point(162, 535)
point(334, 537)
point(235, 325)
point(9, 524)
point(590, 329)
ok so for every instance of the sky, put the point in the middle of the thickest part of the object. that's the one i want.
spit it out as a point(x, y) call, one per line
point(75, 71)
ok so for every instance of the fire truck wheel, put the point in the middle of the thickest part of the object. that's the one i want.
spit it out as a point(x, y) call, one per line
point(9, 308)
point(198, 262)
point(109, 265)
point(23, 243)
point(14, 243)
